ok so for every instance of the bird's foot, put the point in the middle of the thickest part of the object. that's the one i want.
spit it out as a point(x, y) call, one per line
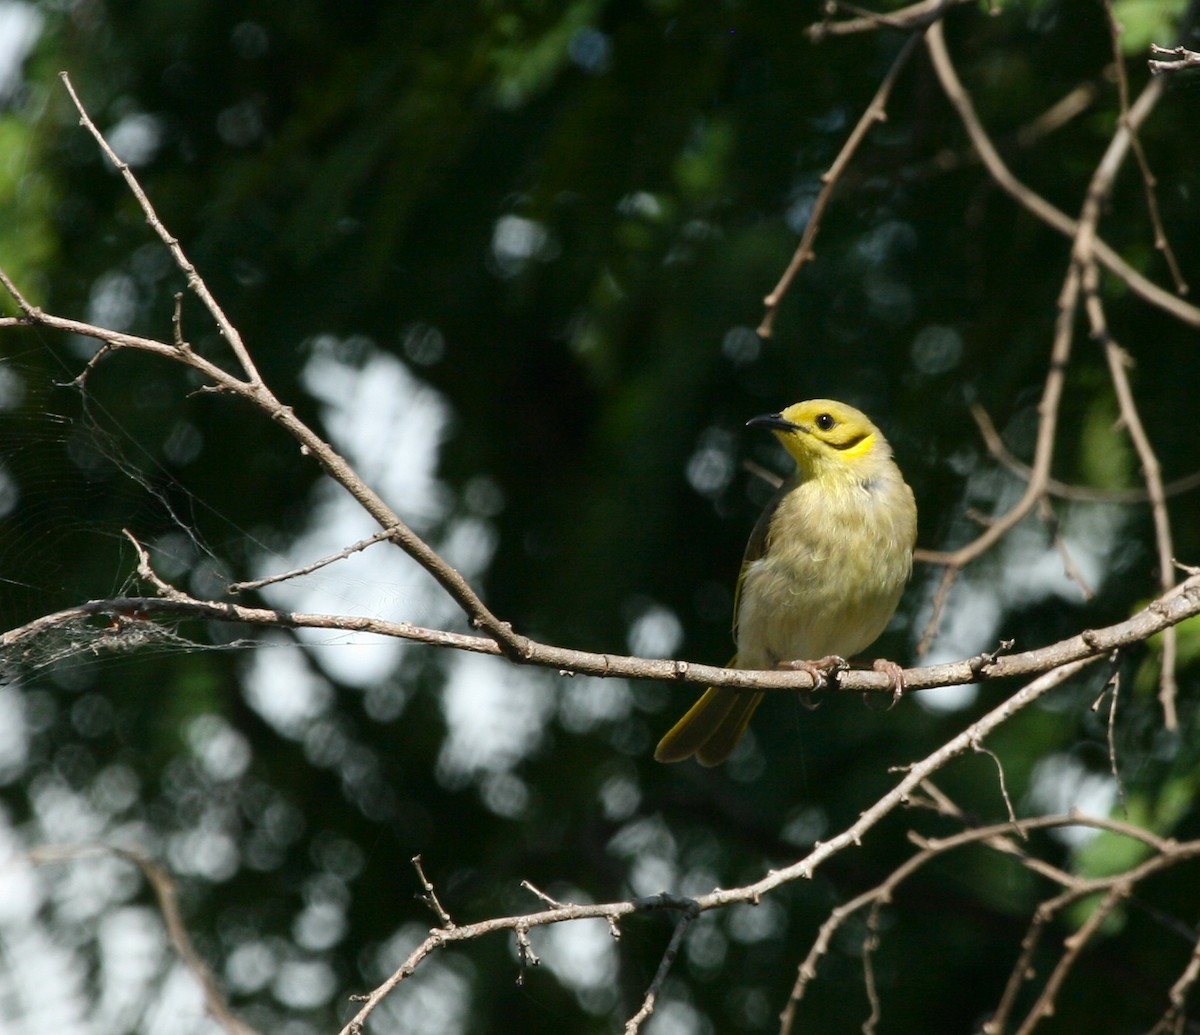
point(823, 671)
point(895, 674)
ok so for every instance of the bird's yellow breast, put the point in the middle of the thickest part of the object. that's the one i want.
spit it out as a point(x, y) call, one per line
point(835, 563)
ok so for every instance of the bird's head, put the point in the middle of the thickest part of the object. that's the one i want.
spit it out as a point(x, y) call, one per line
point(823, 434)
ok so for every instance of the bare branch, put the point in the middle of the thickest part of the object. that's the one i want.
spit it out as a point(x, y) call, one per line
point(1181, 602)
point(308, 569)
point(802, 869)
point(255, 391)
point(1008, 805)
point(1171, 1021)
point(1148, 180)
point(1082, 280)
point(429, 895)
point(1112, 690)
point(915, 16)
point(1033, 202)
point(1181, 58)
point(336, 466)
point(1118, 361)
point(194, 281)
point(876, 112)
point(1085, 268)
point(664, 968)
point(995, 837)
point(1073, 944)
point(1082, 493)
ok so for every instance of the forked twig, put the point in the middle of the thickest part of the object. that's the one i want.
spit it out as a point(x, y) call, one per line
point(1181, 58)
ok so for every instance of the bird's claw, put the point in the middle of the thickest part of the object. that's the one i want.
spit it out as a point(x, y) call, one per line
point(822, 671)
point(895, 674)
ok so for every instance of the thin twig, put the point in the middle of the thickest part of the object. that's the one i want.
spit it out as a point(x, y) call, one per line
point(1148, 180)
point(1072, 571)
point(1118, 361)
point(634, 1025)
point(429, 895)
point(1075, 102)
point(526, 957)
point(914, 16)
point(1181, 58)
point(553, 903)
point(194, 281)
point(1112, 690)
point(1177, 996)
point(871, 942)
point(1081, 493)
point(1012, 815)
point(308, 569)
point(875, 112)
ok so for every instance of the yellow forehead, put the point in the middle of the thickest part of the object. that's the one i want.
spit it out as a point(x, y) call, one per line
point(811, 410)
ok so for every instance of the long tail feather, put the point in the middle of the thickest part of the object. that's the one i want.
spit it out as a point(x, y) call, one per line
point(719, 746)
point(711, 728)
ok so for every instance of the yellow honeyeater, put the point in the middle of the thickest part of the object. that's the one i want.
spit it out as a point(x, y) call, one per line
point(824, 568)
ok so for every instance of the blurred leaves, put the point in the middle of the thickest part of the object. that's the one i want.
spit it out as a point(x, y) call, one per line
point(1144, 22)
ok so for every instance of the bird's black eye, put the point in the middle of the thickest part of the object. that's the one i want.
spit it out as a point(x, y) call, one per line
point(825, 421)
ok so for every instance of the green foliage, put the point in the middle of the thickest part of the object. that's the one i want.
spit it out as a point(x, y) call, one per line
point(1106, 456)
point(1144, 22)
point(27, 197)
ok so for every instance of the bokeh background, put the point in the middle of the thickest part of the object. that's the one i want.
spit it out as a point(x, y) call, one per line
point(509, 258)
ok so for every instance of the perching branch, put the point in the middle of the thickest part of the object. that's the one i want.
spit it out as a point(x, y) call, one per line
point(122, 617)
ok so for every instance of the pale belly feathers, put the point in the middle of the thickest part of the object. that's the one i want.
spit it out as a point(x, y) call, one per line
point(833, 590)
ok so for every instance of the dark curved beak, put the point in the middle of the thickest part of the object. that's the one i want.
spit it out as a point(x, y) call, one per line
point(773, 421)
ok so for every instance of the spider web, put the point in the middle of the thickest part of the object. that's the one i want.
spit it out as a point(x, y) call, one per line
point(73, 478)
point(81, 463)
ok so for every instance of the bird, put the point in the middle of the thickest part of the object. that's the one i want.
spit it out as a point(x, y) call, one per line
point(823, 571)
